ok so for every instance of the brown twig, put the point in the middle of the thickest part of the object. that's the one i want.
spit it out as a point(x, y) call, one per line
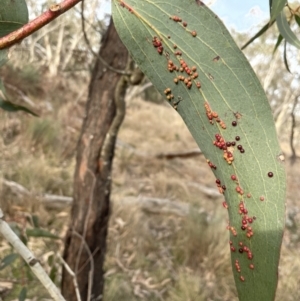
point(88, 44)
point(294, 155)
point(52, 13)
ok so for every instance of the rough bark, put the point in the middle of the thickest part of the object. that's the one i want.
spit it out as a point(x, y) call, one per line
point(85, 243)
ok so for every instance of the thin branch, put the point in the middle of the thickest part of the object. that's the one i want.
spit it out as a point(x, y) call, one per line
point(91, 259)
point(294, 156)
point(119, 98)
point(52, 13)
point(97, 56)
point(90, 23)
point(72, 274)
point(33, 263)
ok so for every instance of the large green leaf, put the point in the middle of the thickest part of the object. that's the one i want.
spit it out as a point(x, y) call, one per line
point(276, 8)
point(285, 30)
point(13, 15)
point(230, 88)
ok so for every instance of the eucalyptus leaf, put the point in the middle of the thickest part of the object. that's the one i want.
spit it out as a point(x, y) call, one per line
point(258, 34)
point(8, 260)
point(276, 8)
point(285, 58)
point(38, 232)
point(9, 106)
point(221, 102)
point(285, 30)
point(297, 18)
point(23, 294)
point(13, 15)
point(278, 42)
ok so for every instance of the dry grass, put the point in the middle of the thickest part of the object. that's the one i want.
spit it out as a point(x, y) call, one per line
point(149, 256)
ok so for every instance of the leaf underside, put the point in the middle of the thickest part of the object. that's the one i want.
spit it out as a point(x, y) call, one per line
point(230, 88)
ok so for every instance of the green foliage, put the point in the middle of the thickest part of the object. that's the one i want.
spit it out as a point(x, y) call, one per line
point(9, 106)
point(37, 232)
point(258, 34)
point(13, 15)
point(23, 294)
point(285, 30)
point(278, 14)
point(18, 269)
point(8, 260)
point(276, 8)
point(230, 89)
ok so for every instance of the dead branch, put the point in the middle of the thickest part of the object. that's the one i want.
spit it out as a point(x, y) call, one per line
point(73, 275)
point(147, 204)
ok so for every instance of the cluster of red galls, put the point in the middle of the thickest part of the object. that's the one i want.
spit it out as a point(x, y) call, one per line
point(221, 144)
point(156, 42)
point(246, 220)
point(213, 115)
point(242, 249)
point(184, 24)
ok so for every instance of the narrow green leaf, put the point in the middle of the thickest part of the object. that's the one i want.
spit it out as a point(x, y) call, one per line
point(35, 220)
point(8, 260)
point(258, 34)
point(53, 273)
point(279, 40)
point(7, 105)
point(23, 294)
point(38, 232)
point(13, 15)
point(10, 107)
point(297, 18)
point(285, 58)
point(276, 8)
point(285, 30)
point(50, 260)
point(229, 88)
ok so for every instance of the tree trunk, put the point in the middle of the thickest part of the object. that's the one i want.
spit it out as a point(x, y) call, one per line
point(85, 243)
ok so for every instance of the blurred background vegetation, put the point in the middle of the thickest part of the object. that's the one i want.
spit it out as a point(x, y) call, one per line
point(167, 236)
